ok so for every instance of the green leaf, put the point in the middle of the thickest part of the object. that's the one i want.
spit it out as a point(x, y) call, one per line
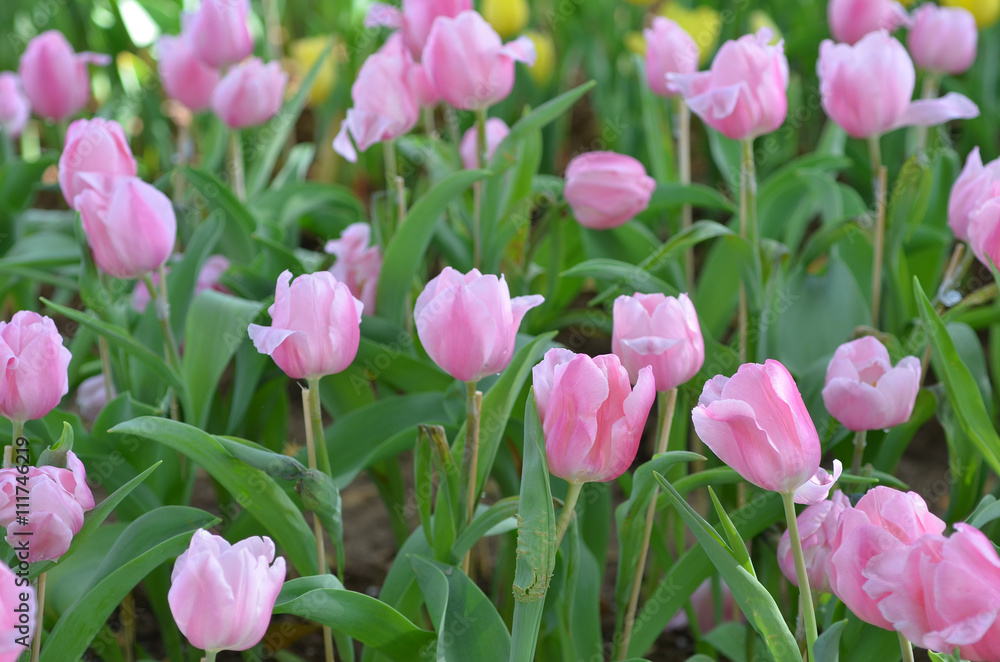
point(673, 195)
point(240, 225)
point(736, 544)
point(827, 647)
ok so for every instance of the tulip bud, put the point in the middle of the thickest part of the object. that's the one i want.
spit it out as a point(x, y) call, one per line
point(508, 17)
point(943, 39)
point(415, 19)
point(496, 131)
point(222, 595)
point(545, 57)
point(591, 416)
point(984, 232)
point(18, 614)
point(818, 526)
point(850, 20)
point(219, 32)
point(15, 109)
point(661, 332)
point(975, 185)
point(91, 397)
point(54, 77)
point(358, 263)
point(985, 12)
point(184, 76)
point(36, 362)
point(606, 189)
point(305, 53)
point(250, 94)
point(669, 49)
point(96, 153)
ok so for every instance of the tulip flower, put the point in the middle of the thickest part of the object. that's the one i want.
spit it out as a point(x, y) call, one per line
point(315, 326)
point(358, 263)
point(818, 526)
point(591, 416)
point(469, 65)
point(986, 12)
point(867, 88)
point(943, 39)
point(18, 615)
point(35, 363)
point(15, 109)
point(545, 57)
point(467, 323)
point(744, 94)
point(413, 72)
point(976, 184)
point(91, 397)
point(661, 332)
point(222, 595)
point(669, 50)
point(606, 189)
point(703, 23)
point(219, 32)
point(208, 279)
point(131, 233)
point(884, 519)
point(95, 155)
point(496, 131)
point(851, 20)
point(864, 391)
point(250, 94)
point(184, 76)
point(984, 232)
point(508, 17)
point(54, 77)
point(305, 53)
point(415, 19)
point(59, 498)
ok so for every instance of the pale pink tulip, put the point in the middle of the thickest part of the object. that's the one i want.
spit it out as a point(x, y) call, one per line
point(250, 93)
point(606, 189)
point(818, 526)
point(358, 263)
point(867, 88)
point(415, 19)
point(975, 185)
point(184, 76)
point(54, 77)
point(669, 50)
point(744, 94)
point(96, 154)
point(91, 397)
point(591, 416)
point(661, 332)
point(850, 20)
point(984, 232)
point(219, 32)
point(943, 39)
point(18, 614)
point(15, 109)
point(35, 364)
point(496, 131)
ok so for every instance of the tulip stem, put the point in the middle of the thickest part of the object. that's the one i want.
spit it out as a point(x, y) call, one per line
point(929, 90)
point(162, 303)
point(316, 420)
point(209, 656)
point(748, 230)
point(396, 183)
point(569, 507)
point(683, 124)
point(859, 451)
point(18, 431)
point(668, 402)
point(477, 188)
point(236, 165)
point(428, 113)
point(105, 354)
point(807, 605)
point(36, 643)
point(880, 182)
point(470, 455)
point(905, 647)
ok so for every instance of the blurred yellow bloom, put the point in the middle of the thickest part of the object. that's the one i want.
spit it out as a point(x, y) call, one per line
point(986, 11)
point(305, 52)
point(508, 17)
point(760, 19)
point(907, 3)
point(635, 43)
point(702, 23)
point(545, 63)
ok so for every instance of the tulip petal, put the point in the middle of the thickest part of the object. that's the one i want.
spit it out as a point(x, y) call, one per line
point(929, 112)
point(650, 345)
point(521, 49)
point(579, 388)
point(729, 428)
point(818, 487)
point(342, 144)
point(380, 14)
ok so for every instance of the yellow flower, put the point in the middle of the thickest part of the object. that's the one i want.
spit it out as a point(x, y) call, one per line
point(760, 19)
point(702, 23)
point(635, 42)
point(545, 63)
point(305, 52)
point(986, 11)
point(508, 17)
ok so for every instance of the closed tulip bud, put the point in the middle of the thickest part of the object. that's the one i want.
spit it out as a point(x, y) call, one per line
point(864, 391)
point(95, 155)
point(850, 20)
point(591, 416)
point(133, 232)
point(703, 23)
point(508, 17)
point(984, 232)
point(18, 614)
point(305, 53)
point(975, 185)
point(184, 76)
point(358, 263)
point(219, 32)
point(315, 326)
point(661, 332)
point(59, 498)
point(943, 39)
point(744, 94)
point(496, 131)
point(250, 94)
point(986, 12)
point(91, 397)
point(469, 65)
point(757, 423)
point(35, 377)
point(15, 109)
point(669, 50)
point(415, 19)
point(222, 595)
point(545, 57)
point(818, 526)
point(54, 77)
point(884, 519)
point(867, 88)
point(467, 323)
point(606, 189)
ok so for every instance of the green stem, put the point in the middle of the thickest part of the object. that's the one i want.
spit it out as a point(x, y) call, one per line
point(8, 147)
point(748, 230)
point(928, 91)
point(18, 431)
point(36, 643)
point(569, 505)
point(477, 189)
point(880, 186)
point(162, 303)
point(859, 451)
point(808, 610)
point(395, 182)
point(470, 456)
point(236, 165)
point(105, 354)
point(316, 418)
point(428, 113)
point(905, 647)
point(210, 656)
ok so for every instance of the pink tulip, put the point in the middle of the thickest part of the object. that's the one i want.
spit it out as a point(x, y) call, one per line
point(943, 39)
point(867, 88)
point(669, 50)
point(95, 155)
point(250, 93)
point(222, 595)
point(496, 131)
point(358, 263)
point(15, 109)
point(131, 233)
point(975, 185)
point(467, 323)
point(91, 397)
point(661, 332)
point(18, 614)
point(414, 73)
point(818, 526)
point(606, 189)
point(850, 20)
point(208, 279)
point(864, 391)
point(415, 20)
point(469, 65)
point(219, 32)
point(744, 94)
point(184, 76)
point(59, 498)
point(591, 416)
point(315, 326)
point(35, 364)
point(757, 423)
point(55, 78)
point(884, 519)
